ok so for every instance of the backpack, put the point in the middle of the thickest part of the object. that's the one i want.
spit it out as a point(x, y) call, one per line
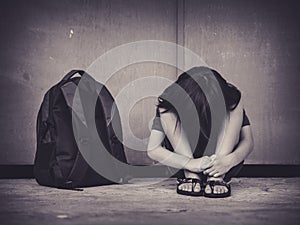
point(58, 161)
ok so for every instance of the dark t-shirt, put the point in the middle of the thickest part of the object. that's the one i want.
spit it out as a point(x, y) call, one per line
point(202, 143)
point(157, 123)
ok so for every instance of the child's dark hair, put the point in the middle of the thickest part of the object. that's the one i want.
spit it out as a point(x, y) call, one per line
point(189, 82)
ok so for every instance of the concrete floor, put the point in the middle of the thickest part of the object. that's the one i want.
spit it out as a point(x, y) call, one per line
point(253, 201)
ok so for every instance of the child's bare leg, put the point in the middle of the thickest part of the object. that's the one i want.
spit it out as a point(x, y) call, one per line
point(180, 143)
point(221, 152)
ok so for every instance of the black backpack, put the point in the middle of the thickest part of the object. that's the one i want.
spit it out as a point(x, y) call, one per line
point(58, 161)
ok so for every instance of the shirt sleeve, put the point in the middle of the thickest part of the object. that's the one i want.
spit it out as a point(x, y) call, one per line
point(157, 122)
point(158, 126)
point(246, 121)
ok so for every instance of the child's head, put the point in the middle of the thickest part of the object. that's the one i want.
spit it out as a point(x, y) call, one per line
point(199, 88)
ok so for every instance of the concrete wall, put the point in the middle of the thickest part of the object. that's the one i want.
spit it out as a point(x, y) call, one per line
point(38, 48)
point(253, 44)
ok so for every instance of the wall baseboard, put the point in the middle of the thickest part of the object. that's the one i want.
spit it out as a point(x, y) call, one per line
point(253, 170)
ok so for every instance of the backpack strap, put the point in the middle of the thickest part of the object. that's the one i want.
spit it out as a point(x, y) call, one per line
point(78, 171)
point(68, 90)
point(107, 105)
point(111, 114)
point(80, 166)
point(60, 182)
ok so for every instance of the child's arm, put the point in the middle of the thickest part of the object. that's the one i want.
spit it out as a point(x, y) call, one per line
point(231, 131)
point(182, 157)
point(223, 164)
point(244, 147)
point(156, 152)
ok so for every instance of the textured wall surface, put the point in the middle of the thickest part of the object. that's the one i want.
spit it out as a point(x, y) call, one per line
point(254, 44)
point(43, 40)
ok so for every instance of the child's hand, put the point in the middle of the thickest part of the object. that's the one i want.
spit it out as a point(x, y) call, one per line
point(219, 166)
point(205, 162)
point(199, 164)
point(213, 157)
